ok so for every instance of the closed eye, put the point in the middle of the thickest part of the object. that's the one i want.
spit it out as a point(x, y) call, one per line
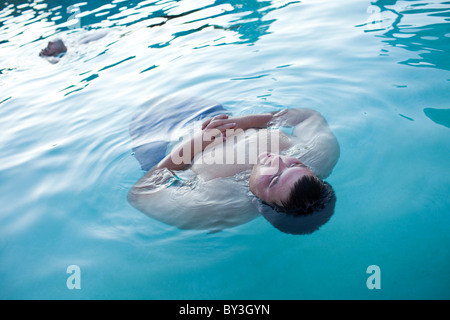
point(301, 165)
point(274, 180)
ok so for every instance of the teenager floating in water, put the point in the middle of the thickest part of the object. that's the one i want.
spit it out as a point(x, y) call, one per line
point(234, 168)
point(56, 48)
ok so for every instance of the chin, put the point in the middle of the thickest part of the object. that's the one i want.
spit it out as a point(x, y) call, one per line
point(251, 179)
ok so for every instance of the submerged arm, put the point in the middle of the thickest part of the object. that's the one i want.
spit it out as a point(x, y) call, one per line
point(293, 117)
point(310, 132)
point(180, 158)
point(313, 135)
point(284, 118)
point(173, 205)
point(153, 184)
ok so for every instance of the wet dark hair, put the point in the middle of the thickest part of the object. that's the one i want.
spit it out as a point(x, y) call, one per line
point(305, 210)
point(304, 197)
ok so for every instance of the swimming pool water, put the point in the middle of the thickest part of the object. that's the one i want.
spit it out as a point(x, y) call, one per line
point(378, 71)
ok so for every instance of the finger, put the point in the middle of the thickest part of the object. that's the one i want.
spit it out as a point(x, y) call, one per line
point(215, 123)
point(217, 132)
point(204, 124)
point(207, 122)
point(226, 127)
point(229, 126)
point(221, 116)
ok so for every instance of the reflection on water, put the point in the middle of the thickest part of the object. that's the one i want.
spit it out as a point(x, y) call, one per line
point(421, 27)
point(66, 161)
point(250, 26)
point(240, 22)
point(245, 17)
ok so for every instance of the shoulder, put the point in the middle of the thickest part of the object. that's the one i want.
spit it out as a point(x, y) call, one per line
point(315, 144)
point(153, 182)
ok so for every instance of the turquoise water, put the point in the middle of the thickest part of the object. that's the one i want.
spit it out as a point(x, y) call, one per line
point(378, 71)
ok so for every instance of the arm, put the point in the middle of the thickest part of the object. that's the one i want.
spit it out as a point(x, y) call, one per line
point(153, 184)
point(241, 122)
point(187, 203)
point(284, 118)
point(311, 134)
point(313, 137)
point(293, 117)
point(180, 158)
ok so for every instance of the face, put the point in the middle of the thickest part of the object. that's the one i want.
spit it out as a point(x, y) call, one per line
point(274, 175)
point(53, 48)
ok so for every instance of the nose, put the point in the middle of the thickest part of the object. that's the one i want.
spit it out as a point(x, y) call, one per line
point(262, 157)
point(277, 161)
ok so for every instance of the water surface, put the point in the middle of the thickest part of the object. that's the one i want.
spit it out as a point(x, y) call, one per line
point(378, 71)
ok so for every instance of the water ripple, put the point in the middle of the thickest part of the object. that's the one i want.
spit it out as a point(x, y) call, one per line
point(419, 27)
point(378, 72)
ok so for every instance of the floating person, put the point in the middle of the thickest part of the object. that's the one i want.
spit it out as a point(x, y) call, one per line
point(232, 169)
point(56, 48)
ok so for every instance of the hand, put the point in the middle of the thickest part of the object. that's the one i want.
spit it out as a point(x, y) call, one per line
point(221, 123)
